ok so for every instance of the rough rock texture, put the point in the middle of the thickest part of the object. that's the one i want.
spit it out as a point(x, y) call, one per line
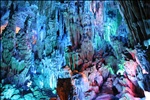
point(138, 19)
point(77, 50)
point(63, 88)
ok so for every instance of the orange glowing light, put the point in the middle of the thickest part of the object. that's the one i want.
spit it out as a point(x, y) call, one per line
point(17, 29)
point(34, 38)
point(3, 27)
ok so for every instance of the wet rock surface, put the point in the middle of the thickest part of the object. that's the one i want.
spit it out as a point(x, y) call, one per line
point(74, 50)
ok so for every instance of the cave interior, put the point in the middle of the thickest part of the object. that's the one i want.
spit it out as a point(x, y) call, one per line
point(75, 50)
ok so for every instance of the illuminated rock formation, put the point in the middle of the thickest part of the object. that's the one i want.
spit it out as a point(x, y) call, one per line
point(75, 50)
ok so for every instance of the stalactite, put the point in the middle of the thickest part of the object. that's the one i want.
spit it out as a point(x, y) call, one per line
point(139, 12)
point(74, 50)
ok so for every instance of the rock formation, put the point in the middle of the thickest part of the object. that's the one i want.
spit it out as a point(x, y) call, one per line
point(75, 50)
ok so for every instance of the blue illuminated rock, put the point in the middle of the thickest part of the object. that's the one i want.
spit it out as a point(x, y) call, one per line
point(88, 47)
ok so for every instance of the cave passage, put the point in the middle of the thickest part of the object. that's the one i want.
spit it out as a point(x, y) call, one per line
point(75, 50)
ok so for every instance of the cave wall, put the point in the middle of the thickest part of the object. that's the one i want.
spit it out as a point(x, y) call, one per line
point(87, 42)
point(136, 14)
